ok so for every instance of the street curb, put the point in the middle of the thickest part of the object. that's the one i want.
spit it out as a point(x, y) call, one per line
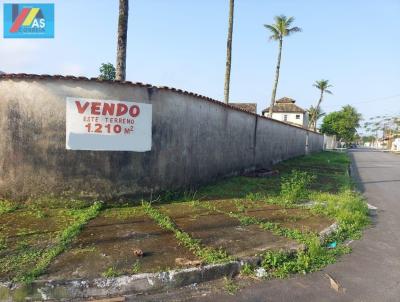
point(138, 283)
point(328, 231)
point(372, 210)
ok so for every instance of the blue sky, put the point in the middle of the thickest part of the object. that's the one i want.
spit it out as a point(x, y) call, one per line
point(182, 43)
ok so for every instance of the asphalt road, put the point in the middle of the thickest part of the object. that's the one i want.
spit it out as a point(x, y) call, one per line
point(370, 273)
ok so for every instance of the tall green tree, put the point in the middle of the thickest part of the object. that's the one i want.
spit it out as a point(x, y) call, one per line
point(107, 72)
point(279, 29)
point(323, 86)
point(314, 114)
point(229, 52)
point(122, 39)
point(343, 123)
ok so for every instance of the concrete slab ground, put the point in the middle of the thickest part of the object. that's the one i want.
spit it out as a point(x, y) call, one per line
point(294, 218)
point(221, 231)
point(28, 232)
point(108, 243)
point(101, 261)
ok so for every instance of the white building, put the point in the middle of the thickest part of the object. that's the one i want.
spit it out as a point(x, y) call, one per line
point(396, 144)
point(286, 111)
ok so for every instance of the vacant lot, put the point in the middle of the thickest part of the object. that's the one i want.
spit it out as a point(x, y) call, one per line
point(272, 216)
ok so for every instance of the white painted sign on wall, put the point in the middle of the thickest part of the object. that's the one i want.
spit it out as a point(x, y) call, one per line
point(108, 125)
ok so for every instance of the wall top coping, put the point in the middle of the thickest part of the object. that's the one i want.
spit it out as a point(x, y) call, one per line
point(26, 76)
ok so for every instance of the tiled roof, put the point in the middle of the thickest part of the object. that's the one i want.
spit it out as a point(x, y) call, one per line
point(285, 105)
point(25, 76)
point(285, 100)
point(250, 107)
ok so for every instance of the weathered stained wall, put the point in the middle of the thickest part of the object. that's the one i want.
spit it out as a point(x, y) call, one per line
point(195, 140)
point(330, 142)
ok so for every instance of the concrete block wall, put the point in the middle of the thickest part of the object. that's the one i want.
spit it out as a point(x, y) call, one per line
point(195, 140)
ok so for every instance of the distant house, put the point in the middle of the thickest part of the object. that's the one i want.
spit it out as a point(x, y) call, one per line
point(250, 107)
point(1, 72)
point(287, 111)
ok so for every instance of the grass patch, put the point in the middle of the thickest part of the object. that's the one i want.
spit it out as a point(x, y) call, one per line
point(322, 178)
point(295, 186)
point(247, 270)
point(63, 241)
point(111, 272)
point(7, 206)
point(122, 213)
point(3, 243)
point(230, 286)
point(89, 249)
point(348, 208)
point(206, 254)
point(329, 170)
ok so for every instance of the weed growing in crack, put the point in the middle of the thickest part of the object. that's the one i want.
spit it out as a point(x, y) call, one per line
point(135, 267)
point(63, 241)
point(111, 272)
point(207, 254)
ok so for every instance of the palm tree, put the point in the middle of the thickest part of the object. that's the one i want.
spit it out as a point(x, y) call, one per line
point(122, 40)
point(323, 86)
point(314, 115)
point(281, 28)
point(229, 52)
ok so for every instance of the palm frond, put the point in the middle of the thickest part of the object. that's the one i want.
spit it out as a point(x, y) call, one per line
point(281, 27)
point(293, 30)
point(275, 31)
point(280, 18)
point(289, 21)
point(323, 85)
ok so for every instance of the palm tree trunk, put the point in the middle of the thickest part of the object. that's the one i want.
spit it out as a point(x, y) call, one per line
point(310, 122)
point(278, 66)
point(317, 110)
point(122, 40)
point(229, 53)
